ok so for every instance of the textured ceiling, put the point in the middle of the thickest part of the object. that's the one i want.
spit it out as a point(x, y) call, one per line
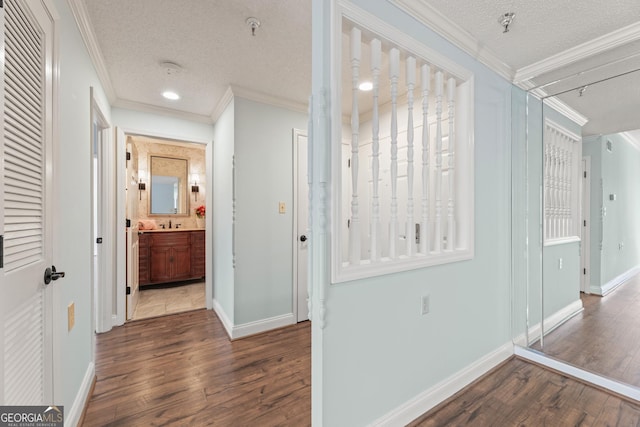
point(212, 42)
point(542, 28)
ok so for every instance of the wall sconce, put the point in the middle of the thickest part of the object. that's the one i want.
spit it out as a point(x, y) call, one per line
point(195, 188)
point(141, 184)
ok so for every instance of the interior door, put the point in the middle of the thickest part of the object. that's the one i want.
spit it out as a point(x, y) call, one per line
point(302, 215)
point(133, 247)
point(26, 308)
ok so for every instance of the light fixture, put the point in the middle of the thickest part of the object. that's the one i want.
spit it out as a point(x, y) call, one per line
point(506, 19)
point(254, 24)
point(171, 95)
point(365, 86)
point(195, 188)
point(141, 184)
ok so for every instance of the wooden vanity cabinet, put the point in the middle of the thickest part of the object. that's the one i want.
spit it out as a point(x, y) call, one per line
point(171, 256)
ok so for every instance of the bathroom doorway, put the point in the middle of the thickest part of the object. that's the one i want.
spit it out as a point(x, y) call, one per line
point(166, 265)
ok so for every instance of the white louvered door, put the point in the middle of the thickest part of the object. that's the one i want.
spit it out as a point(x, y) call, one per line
point(26, 358)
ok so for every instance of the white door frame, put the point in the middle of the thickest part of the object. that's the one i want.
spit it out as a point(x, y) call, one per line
point(585, 245)
point(121, 238)
point(102, 317)
point(296, 134)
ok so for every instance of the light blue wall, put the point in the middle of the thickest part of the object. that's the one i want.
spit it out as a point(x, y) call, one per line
point(614, 172)
point(158, 124)
point(223, 274)
point(620, 176)
point(72, 214)
point(592, 146)
point(379, 351)
point(263, 237)
point(561, 285)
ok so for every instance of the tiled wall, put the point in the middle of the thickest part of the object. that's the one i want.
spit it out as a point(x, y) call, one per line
point(194, 153)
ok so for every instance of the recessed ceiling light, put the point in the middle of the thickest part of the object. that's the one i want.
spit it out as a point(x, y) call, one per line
point(170, 95)
point(365, 86)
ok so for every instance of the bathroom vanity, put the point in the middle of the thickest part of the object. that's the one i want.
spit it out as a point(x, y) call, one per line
point(171, 255)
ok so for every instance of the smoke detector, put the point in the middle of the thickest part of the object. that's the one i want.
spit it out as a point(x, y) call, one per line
point(170, 68)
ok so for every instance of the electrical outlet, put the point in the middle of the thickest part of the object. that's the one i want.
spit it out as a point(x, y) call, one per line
point(71, 316)
point(282, 208)
point(425, 304)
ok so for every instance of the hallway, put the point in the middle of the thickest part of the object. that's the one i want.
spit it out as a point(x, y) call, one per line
point(183, 370)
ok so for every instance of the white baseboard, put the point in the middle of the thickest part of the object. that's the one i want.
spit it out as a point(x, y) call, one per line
point(72, 416)
point(586, 376)
point(226, 322)
point(263, 325)
point(551, 322)
point(244, 330)
point(428, 399)
point(612, 284)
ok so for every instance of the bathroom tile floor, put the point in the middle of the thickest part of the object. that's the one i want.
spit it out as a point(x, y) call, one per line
point(159, 301)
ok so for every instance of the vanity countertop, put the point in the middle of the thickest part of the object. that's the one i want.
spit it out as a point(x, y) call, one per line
point(170, 230)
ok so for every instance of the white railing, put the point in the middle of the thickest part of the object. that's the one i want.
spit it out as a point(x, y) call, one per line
point(561, 169)
point(386, 230)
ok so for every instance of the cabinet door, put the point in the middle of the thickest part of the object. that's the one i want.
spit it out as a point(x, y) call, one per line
point(160, 263)
point(180, 260)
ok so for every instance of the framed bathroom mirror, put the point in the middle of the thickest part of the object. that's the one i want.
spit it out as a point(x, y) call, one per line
point(168, 194)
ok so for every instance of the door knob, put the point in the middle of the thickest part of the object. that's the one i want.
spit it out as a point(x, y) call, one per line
point(303, 238)
point(51, 274)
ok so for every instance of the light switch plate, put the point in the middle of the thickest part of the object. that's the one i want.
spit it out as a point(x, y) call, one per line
point(282, 207)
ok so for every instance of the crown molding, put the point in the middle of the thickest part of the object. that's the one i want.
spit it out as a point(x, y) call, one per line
point(566, 111)
point(153, 109)
point(222, 105)
point(264, 98)
point(455, 34)
point(81, 15)
point(631, 140)
point(592, 47)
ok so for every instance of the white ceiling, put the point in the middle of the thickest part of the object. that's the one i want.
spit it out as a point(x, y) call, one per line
point(548, 39)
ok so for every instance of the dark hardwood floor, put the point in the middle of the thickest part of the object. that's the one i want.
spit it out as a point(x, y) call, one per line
point(605, 337)
point(183, 370)
point(519, 393)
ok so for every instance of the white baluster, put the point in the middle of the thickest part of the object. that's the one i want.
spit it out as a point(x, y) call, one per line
point(354, 228)
point(411, 229)
point(394, 69)
point(424, 225)
point(438, 186)
point(451, 91)
point(376, 51)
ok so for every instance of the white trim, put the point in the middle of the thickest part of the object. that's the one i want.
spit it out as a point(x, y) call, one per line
point(294, 272)
point(274, 101)
point(222, 105)
point(154, 109)
point(431, 397)
point(619, 280)
point(631, 140)
point(585, 50)
point(402, 40)
point(455, 34)
point(226, 322)
point(244, 330)
point(616, 387)
point(264, 325)
point(81, 15)
point(562, 241)
point(566, 111)
point(551, 322)
point(585, 246)
point(72, 417)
